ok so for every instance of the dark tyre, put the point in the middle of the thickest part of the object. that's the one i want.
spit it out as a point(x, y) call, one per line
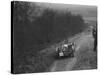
point(72, 55)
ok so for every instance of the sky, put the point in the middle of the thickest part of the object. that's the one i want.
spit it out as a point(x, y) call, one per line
point(88, 12)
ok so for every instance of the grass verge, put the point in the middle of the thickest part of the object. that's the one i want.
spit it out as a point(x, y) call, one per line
point(87, 59)
point(34, 63)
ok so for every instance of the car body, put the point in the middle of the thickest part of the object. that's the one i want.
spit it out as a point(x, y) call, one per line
point(66, 50)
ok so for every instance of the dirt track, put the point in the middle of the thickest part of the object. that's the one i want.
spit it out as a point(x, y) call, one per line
point(82, 40)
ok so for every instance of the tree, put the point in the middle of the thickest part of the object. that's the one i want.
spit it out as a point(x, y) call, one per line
point(45, 23)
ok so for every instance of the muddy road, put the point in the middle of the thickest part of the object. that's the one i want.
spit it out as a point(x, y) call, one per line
point(83, 40)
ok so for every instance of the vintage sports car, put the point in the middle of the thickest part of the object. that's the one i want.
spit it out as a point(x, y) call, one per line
point(66, 50)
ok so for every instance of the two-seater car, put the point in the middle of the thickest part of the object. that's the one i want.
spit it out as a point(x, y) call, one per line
point(66, 49)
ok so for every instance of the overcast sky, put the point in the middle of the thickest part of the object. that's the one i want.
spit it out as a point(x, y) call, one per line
point(88, 12)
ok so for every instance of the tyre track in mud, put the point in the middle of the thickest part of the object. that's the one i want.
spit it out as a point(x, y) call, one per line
point(66, 64)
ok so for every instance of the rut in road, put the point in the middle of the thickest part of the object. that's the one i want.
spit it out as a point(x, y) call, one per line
point(67, 64)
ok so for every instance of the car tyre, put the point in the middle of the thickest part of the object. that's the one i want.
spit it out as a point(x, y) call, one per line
point(72, 55)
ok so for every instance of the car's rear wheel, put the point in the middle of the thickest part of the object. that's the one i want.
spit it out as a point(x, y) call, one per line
point(72, 55)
